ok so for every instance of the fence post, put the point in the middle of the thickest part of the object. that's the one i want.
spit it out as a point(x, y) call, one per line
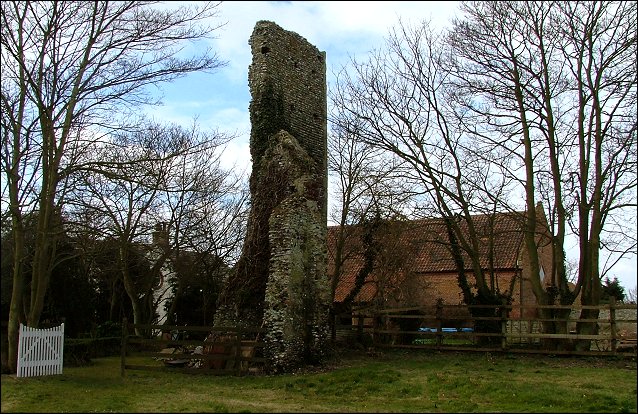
point(360, 328)
point(20, 350)
point(375, 328)
point(123, 346)
point(60, 342)
point(612, 323)
point(503, 328)
point(238, 352)
point(333, 332)
point(439, 323)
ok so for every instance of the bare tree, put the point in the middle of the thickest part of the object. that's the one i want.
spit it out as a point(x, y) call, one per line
point(403, 107)
point(204, 204)
point(554, 84)
point(68, 70)
point(368, 188)
point(126, 198)
point(205, 210)
point(167, 175)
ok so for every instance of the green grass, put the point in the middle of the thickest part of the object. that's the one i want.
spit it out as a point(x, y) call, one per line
point(398, 381)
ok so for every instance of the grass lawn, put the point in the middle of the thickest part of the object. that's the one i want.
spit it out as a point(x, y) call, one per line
point(395, 381)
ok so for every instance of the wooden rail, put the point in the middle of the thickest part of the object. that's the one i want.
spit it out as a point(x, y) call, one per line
point(383, 328)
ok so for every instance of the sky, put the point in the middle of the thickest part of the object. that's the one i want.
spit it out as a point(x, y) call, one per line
point(343, 29)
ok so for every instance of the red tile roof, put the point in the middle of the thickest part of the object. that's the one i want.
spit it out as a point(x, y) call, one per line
point(422, 247)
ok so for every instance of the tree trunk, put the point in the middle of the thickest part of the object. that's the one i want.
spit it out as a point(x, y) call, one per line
point(135, 302)
point(131, 291)
point(16, 314)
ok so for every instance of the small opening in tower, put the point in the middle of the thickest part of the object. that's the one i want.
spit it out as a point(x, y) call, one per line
point(265, 49)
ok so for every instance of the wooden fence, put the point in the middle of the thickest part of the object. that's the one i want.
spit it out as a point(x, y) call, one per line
point(192, 349)
point(451, 327)
point(236, 351)
point(40, 351)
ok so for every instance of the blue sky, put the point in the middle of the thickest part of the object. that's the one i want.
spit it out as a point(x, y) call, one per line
point(342, 29)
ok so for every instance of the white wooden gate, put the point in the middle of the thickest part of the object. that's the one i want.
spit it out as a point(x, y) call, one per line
point(40, 351)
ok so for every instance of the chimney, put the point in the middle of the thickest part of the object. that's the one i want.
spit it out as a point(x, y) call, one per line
point(160, 234)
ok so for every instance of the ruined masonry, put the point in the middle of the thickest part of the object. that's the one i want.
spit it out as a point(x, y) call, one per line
point(281, 279)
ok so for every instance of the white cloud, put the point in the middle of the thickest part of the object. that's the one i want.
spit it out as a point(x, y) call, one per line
point(339, 28)
point(237, 157)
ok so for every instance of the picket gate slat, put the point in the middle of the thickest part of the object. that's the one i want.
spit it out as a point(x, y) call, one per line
point(40, 351)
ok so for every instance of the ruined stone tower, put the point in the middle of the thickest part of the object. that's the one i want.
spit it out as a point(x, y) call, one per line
point(287, 80)
point(281, 280)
